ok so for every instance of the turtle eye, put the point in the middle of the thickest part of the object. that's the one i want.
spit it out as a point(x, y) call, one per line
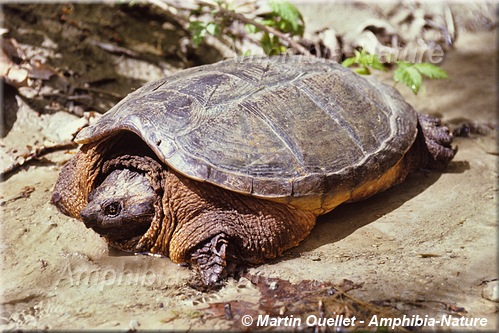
point(112, 209)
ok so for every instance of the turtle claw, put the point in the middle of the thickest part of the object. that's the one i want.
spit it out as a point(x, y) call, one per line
point(438, 140)
point(210, 263)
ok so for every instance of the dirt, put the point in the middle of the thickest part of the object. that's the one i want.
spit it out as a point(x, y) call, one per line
point(427, 246)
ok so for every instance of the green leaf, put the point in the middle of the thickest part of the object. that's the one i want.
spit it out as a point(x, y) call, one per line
point(195, 26)
point(213, 29)
point(364, 60)
point(250, 28)
point(291, 18)
point(363, 71)
point(349, 62)
point(268, 21)
point(430, 70)
point(266, 43)
point(369, 60)
point(287, 11)
point(271, 45)
point(198, 31)
point(412, 74)
point(407, 74)
point(375, 63)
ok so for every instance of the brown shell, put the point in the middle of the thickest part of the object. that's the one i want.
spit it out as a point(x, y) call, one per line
point(288, 129)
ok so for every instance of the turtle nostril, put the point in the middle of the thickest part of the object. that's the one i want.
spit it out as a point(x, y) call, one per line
point(88, 217)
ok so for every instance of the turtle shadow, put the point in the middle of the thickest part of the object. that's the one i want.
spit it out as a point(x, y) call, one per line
point(347, 218)
point(8, 116)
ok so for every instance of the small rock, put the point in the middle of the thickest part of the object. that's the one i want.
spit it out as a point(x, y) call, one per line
point(273, 285)
point(491, 291)
point(134, 324)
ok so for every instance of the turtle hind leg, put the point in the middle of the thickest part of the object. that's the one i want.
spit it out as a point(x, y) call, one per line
point(212, 264)
point(435, 141)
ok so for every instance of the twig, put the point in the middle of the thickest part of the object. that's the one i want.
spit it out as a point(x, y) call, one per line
point(102, 92)
point(244, 19)
point(111, 48)
point(25, 193)
point(36, 153)
point(239, 17)
point(167, 6)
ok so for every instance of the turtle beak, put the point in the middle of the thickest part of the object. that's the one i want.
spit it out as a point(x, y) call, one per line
point(89, 217)
point(92, 218)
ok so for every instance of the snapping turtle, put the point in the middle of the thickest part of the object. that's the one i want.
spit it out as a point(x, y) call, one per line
point(229, 164)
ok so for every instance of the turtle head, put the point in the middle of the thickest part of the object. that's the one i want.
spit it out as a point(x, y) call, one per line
point(121, 207)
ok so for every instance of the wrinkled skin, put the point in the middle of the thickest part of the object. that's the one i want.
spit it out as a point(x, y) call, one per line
point(212, 229)
point(145, 207)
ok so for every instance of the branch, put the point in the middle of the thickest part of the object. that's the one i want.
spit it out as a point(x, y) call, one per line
point(244, 19)
point(166, 5)
point(35, 154)
point(173, 9)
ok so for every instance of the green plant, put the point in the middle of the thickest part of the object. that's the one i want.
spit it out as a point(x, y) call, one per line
point(412, 74)
point(365, 61)
point(273, 31)
point(199, 30)
point(284, 17)
point(405, 72)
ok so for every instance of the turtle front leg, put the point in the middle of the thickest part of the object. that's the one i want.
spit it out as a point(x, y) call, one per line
point(210, 263)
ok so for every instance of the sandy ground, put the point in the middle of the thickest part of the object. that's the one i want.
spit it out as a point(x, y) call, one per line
point(425, 247)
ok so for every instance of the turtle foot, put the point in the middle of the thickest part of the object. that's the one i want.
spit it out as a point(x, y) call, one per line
point(438, 139)
point(210, 264)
